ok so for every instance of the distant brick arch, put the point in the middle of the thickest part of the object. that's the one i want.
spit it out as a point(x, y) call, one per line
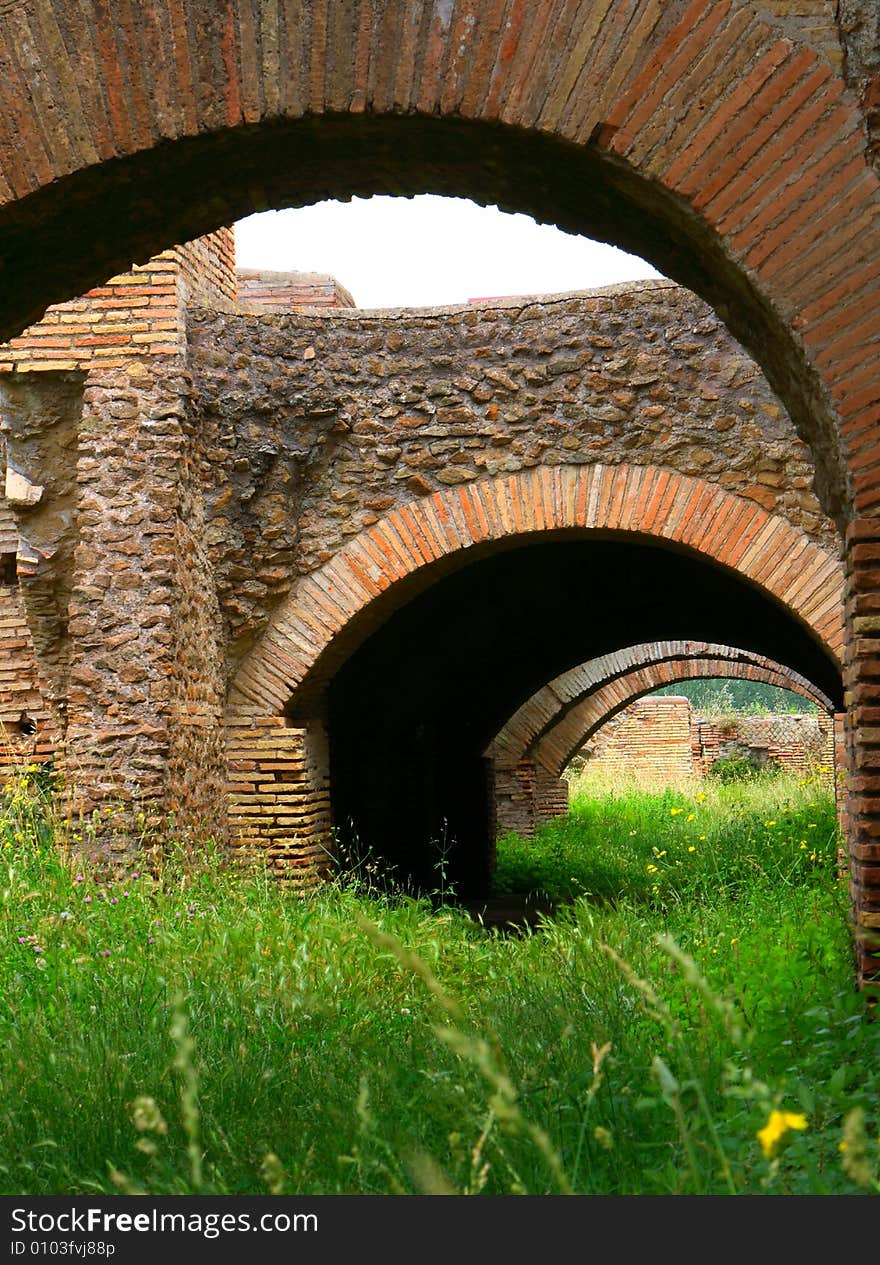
point(546, 714)
point(584, 708)
point(329, 610)
point(690, 132)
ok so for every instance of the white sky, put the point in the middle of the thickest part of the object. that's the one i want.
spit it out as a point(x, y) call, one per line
point(427, 251)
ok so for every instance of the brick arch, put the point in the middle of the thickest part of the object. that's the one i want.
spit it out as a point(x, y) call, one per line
point(335, 607)
point(614, 686)
point(691, 132)
point(549, 708)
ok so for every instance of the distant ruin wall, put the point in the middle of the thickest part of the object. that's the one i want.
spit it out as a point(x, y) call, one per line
point(660, 741)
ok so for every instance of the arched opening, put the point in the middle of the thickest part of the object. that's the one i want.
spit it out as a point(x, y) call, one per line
point(692, 134)
point(410, 712)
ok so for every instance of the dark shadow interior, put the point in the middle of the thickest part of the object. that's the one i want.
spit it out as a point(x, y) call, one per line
point(413, 708)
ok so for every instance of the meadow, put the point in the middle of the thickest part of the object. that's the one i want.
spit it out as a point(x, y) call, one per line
point(685, 1023)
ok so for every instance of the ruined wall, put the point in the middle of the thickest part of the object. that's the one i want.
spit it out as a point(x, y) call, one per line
point(798, 744)
point(526, 796)
point(316, 425)
point(28, 733)
point(99, 451)
point(649, 741)
point(171, 490)
point(289, 291)
point(659, 741)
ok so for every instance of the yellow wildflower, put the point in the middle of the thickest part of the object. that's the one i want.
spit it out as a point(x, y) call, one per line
point(700, 797)
point(770, 823)
point(652, 869)
point(778, 1124)
point(691, 816)
point(692, 848)
point(673, 812)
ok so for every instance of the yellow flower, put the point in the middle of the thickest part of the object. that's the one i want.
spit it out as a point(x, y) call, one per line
point(770, 823)
point(778, 1124)
point(652, 869)
point(691, 816)
point(692, 848)
point(700, 797)
point(673, 812)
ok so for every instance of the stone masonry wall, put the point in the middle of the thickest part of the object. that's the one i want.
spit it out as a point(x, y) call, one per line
point(173, 497)
point(109, 518)
point(315, 424)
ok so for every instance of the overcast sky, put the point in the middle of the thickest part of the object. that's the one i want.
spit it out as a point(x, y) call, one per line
point(426, 251)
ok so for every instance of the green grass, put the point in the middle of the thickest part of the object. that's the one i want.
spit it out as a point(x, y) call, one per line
point(198, 1030)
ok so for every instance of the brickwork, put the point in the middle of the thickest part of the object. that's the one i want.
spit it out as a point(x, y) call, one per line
point(660, 741)
point(862, 738)
point(317, 425)
point(27, 730)
point(289, 292)
point(305, 638)
point(649, 742)
point(279, 803)
point(734, 145)
point(136, 314)
point(279, 438)
point(555, 722)
point(693, 117)
point(797, 744)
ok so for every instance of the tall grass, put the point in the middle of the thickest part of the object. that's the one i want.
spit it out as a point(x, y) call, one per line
point(686, 1028)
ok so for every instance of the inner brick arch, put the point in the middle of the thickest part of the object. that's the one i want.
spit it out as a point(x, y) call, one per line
point(530, 754)
point(555, 749)
point(556, 721)
point(691, 133)
point(331, 612)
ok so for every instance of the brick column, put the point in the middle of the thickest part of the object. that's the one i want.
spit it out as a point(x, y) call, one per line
point(145, 680)
point(551, 795)
point(279, 797)
point(839, 722)
point(862, 674)
point(513, 791)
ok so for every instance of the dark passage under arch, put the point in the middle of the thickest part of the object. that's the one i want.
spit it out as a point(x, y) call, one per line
point(411, 711)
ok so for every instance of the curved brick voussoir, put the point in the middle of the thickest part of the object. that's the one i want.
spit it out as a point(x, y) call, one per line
point(560, 741)
point(547, 713)
point(331, 611)
point(695, 134)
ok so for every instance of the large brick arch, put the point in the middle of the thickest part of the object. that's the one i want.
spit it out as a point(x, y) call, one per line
point(556, 721)
point(331, 611)
point(693, 133)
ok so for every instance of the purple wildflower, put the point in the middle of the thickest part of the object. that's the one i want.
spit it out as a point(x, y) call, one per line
point(105, 953)
point(87, 900)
